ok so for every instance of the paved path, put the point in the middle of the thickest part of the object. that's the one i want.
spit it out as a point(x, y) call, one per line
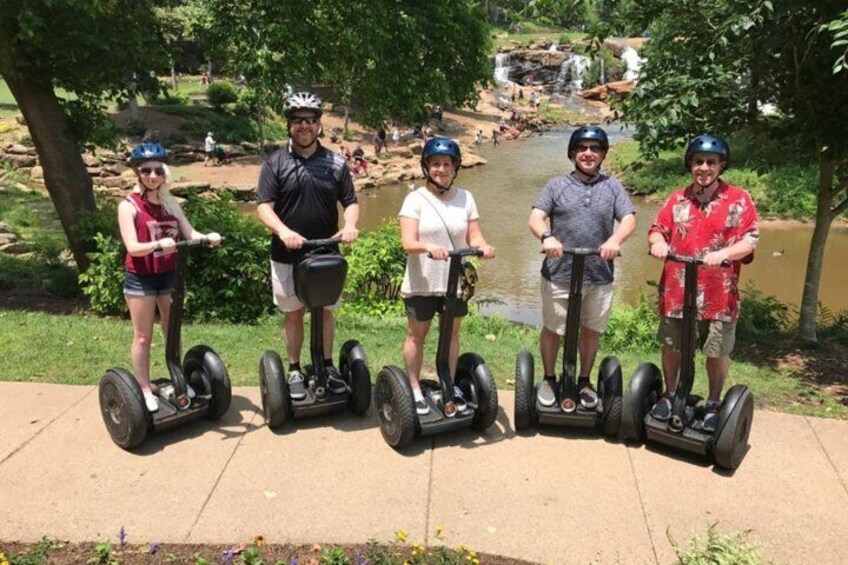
point(554, 496)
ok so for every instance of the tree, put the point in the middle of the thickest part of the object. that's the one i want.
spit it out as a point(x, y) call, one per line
point(89, 49)
point(839, 29)
point(708, 64)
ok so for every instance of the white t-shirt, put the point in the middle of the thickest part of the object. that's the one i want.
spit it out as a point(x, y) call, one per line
point(425, 276)
point(209, 144)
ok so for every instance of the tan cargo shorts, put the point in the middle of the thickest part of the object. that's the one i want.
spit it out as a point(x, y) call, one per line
point(716, 337)
point(595, 309)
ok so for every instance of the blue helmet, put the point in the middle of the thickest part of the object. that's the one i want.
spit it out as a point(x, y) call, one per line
point(148, 151)
point(707, 143)
point(587, 133)
point(441, 146)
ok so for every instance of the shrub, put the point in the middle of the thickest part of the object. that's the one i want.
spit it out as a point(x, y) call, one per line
point(633, 327)
point(717, 548)
point(103, 281)
point(760, 316)
point(376, 262)
point(222, 93)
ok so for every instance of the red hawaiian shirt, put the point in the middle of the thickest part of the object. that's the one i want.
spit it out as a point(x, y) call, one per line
point(693, 228)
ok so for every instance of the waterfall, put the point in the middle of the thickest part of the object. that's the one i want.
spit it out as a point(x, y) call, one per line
point(633, 62)
point(570, 76)
point(502, 69)
point(602, 79)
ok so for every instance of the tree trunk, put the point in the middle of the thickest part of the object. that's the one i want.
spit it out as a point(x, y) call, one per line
point(174, 78)
point(346, 121)
point(65, 174)
point(808, 321)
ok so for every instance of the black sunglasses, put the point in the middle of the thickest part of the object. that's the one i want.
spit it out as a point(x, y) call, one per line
point(297, 120)
point(147, 171)
point(593, 148)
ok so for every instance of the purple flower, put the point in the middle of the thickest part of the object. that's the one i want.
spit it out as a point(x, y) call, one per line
point(122, 537)
point(153, 548)
point(293, 561)
point(228, 556)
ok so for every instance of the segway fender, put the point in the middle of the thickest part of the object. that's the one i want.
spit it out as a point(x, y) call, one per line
point(525, 401)
point(734, 426)
point(354, 364)
point(471, 365)
point(610, 385)
point(645, 389)
point(204, 359)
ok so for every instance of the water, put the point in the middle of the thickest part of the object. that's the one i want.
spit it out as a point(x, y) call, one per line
point(633, 63)
point(502, 69)
point(505, 190)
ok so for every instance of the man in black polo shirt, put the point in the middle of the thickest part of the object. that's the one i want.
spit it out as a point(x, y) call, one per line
point(300, 187)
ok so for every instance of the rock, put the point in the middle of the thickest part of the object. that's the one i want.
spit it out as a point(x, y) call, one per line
point(363, 183)
point(124, 183)
point(250, 147)
point(184, 188)
point(550, 59)
point(242, 193)
point(472, 160)
point(115, 168)
point(6, 238)
point(112, 157)
point(94, 171)
point(606, 90)
point(20, 119)
point(234, 151)
point(385, 181)
point(37, 173)
point(5, 228)
point(18, 149)
point(129, 174)
point(416, 147)
point(185, 148)
point(18, 161)
point(90, 160)
point(16, 247)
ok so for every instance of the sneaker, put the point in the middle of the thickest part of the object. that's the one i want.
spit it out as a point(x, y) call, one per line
point(459, 400)
point(335, 383)
point(151, 402)
point(190, 392)
point(711, 417)
point(588, 396)
point(545, 394)
point(662, 409)
point(422, 407)
point(297, 390)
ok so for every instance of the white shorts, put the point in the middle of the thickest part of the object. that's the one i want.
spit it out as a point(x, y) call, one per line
point(594, 312)
point(282, 287)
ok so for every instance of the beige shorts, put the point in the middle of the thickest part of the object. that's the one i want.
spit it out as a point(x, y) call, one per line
point(282, 287)
point(716, 338)
point(594, 312)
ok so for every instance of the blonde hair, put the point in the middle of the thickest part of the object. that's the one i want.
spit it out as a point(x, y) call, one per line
point(166, 199)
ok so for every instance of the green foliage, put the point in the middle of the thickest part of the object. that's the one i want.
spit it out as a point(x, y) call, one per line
point(102, 554)
point(717, 548)
point(103, 282)
point(761, 316)
point(228, 128)
point(633, 327)
point(839, 29)
point(333, 555)
point(221, 93)
point(37, 555)
point(376, 263)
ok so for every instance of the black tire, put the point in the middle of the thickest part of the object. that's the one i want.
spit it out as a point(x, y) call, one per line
point(395, 407)
point(354, 367)
point(525, 391)
point(276, 405)
point(610, 388)
point(734, 426)
point(123, 409)
point(203, 367)
point(644, 390)
point(475, 380)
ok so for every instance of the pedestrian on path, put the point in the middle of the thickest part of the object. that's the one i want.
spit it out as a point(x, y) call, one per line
point(151, 222)
point(579, 210)
point(209, 149)
point(300, 187)
point(435, 219)
point(717, 222)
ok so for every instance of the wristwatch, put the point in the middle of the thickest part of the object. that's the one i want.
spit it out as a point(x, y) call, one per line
point(546, 235)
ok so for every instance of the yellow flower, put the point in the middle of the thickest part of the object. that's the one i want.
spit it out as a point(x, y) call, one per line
point(258, 540)
point(401, 535)
point(439, 531)
point(3, 560)
point(418, 550)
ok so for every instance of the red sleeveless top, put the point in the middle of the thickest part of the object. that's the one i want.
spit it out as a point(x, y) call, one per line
point(152, 222)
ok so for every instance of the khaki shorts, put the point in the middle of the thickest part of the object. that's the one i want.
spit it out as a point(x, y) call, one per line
point(595, 309)
point(282, 287)
point(716, 338)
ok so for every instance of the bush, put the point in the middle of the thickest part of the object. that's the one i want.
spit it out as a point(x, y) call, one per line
point(376, 262)
point(222, 93)
point(717, 548)
point(633, 327)
point(760, 316)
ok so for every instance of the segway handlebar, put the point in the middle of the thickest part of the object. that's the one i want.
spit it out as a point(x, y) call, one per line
point(463, 252)
point(196, 242)
point(694, 260)
point(580, 251)
point(315, 243)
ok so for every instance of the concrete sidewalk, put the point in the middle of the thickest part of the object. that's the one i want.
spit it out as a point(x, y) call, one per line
point(554, 496)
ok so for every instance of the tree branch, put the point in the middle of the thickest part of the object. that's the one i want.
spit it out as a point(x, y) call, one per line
point(840, 207)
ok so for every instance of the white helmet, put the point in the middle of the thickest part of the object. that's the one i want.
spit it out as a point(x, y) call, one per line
point(302, 101)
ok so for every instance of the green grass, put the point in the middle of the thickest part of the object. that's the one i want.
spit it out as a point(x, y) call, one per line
point(8, 105)
point(558, 115)
point(77, 349)
point(717, 548)
point(530, 33)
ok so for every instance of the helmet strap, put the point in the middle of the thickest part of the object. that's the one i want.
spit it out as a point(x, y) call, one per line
point(440, 187)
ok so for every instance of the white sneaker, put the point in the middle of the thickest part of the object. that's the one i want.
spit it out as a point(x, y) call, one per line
point(190, 392)
point(151, 402)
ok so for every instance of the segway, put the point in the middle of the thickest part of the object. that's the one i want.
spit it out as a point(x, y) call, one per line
point(684, 429)
point(399, 421)
point(567, 411)
point(122, 402)
point(319, 278)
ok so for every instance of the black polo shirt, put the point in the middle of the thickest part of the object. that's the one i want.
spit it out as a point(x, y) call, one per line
point(305, 193)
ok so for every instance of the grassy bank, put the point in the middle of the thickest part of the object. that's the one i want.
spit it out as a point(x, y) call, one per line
point(77, 349)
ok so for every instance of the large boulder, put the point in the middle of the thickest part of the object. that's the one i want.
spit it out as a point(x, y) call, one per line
point(90, 160)
point(183, 189)
point(18, 149)
point(604, 91)
point(19, 161)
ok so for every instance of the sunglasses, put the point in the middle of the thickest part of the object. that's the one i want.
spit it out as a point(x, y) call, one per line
point(147, 171)
point(308, 120)
point(581, 148)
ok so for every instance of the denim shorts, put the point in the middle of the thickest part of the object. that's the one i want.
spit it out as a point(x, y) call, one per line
point(148, 285)
point(424, 308)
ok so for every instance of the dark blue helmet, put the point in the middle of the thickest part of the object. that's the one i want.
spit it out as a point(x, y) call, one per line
point(441, 146)
point(707, 143)
point(148, 151)
point(587, 133)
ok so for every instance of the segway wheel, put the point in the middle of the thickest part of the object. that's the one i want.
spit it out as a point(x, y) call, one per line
point(644, 391)
point(123, 409)
point(276, 405)
point(525, 401)
point(610, 390)
point(395, 407)
point(475, 380)
point(734, 426)
point(354, 366)
point(205, 370)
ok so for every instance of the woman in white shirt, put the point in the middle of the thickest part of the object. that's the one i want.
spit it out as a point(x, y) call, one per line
point(435, 219)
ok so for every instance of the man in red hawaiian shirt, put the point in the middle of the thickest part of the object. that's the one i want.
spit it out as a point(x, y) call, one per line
point(718, 222)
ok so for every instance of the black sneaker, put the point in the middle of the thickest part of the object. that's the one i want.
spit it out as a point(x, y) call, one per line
point(711, 418)
point(297, 390)
point(335, 383)
point(662, 409)
point(545, 393)
point(588, 396)
point(422, 407)
point(459, 400)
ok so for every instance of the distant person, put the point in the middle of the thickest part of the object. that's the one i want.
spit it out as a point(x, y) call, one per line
point(717, 222)
point(496, 137)
point(360, 165)
point(379, 141)
point(395, 136)
point(478, 139)
point(221, 156)
point(151, 222)
point(241, 82)
point(209, 149)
